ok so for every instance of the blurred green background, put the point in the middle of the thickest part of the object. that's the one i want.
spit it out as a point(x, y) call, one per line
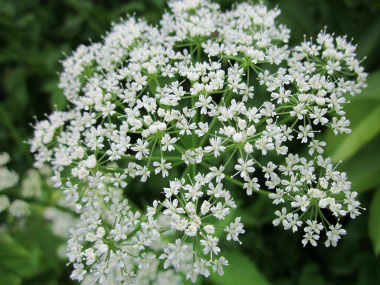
point(35, 35)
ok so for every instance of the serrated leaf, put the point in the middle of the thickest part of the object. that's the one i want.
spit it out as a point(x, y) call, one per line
point(361, 134)
point(241, 270)
point(374, 221)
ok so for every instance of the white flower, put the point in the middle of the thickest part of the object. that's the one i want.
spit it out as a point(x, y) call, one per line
point(292, 222)
point(162, 167)
point(216, 146)
point(4, 158)
point(302, 202)
point(8, 178)
point(173, 253)
point(333, 235)
point(304, 133)
point(210, 245)
point(19, 208)
point(167, 142)
point(219, 211)
point(91, 161)
point(172, 207)
point(175, 185)
point(4, 203)
point(281, 217)
point(277, 197)
point(310, 237)
point(78, 272)
point(316, 146)
point(313, 226)
point(141, 149)
point(234, 230)
point(244, 167)
point(251, 184)
point(218, 265)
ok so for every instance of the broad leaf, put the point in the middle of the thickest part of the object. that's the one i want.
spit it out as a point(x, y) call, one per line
point(16, 259)
point(363, 169)
point(36, 235)
point(368, 128)
point(373, 89)
point(241, 270)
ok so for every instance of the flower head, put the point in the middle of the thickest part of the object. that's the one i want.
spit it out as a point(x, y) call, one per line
point(177, 99)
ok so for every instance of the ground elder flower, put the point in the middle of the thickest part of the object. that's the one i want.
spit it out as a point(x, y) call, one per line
point(4, 203)
point(322, 196)
point(149, 100)
point(17, 198)
point(8, 178)
point(19, 209)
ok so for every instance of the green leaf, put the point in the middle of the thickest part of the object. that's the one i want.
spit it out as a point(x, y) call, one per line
point(16, 259)
point(311, 275)
point(364, 168)
point(354, 112)
point(374, 221)
point(297, 14)
point(8, 278)
point(373, 89)
point(37, 235)
point(241, 270)
point(363, 112)
point(361, 134)
point(57, 99)
point(368, 43)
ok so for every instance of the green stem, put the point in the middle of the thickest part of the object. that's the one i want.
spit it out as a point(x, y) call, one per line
point(215, 118)
point(152, 157)
point(237, 182)
point(199, 52)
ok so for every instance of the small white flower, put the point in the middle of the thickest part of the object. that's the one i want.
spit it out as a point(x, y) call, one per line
point(333, 235)
point(292, 222)
point(281, 217)
point(162, 167)
point(210, 245)
point(244, 167)
point(218, 265)
point(310, 237)
point(234, 230)
point(215, 146)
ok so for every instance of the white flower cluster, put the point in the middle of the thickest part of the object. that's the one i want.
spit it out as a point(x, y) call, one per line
point(217, 95)
point(315, 191)
point(8, 178)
